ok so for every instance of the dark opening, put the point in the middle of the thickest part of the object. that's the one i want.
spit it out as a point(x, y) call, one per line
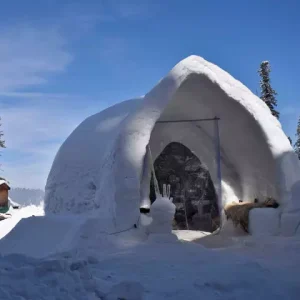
point(192, 189)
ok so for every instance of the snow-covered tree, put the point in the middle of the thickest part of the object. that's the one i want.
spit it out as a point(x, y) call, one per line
point(297, 144)
point(266, 91)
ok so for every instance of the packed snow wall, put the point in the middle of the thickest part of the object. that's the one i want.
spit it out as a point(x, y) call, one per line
point(100, 167)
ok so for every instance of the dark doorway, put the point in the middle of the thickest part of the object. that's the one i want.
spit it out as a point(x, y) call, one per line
point(192, 189)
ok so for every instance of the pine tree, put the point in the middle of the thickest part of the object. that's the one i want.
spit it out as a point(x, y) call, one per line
point(291, 142)
point(297, 144)
point(267, 93)
point(2, 143)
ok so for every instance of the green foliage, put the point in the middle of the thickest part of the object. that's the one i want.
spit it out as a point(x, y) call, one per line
point(266, 90)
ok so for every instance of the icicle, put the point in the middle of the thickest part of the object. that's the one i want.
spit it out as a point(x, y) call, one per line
point(169, 191)
point(165, 190)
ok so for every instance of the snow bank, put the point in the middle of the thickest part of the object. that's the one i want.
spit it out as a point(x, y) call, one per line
point(29, 232)
point(100, 167)
point(74, 260)
point(25, 212)
point(40, 236)
point(154, 271)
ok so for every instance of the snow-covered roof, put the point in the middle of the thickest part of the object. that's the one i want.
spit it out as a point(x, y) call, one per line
point(4, 182)
point(100, 167)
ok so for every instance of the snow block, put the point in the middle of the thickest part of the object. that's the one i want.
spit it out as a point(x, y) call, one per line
point(290, 223)
point(264, 221)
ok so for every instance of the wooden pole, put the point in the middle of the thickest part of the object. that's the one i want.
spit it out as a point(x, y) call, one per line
point(218, 165)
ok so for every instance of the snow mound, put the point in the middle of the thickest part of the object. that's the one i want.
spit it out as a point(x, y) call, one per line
point(25, 212)
point(35, 235)
point(40, 236)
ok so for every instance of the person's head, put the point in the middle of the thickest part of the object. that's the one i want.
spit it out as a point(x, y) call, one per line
point(4, 188)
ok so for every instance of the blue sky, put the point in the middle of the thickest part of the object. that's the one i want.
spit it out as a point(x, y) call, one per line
point(62, 61)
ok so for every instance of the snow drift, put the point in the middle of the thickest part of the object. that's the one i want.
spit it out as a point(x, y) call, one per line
point(100, 167)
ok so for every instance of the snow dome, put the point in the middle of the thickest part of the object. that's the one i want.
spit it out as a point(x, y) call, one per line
point(102, 166)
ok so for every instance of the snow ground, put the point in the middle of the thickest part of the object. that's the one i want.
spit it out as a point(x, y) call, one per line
point(133, 266)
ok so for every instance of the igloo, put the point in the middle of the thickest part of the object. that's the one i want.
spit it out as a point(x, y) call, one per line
point(103, 167)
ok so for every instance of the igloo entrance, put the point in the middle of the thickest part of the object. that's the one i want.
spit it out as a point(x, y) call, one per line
point(191, 188)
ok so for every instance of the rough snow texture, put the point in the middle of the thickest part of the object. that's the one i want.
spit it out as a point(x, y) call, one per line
point(126, 290)
point(250, 269)
point(87, 264)
point(100, 165)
